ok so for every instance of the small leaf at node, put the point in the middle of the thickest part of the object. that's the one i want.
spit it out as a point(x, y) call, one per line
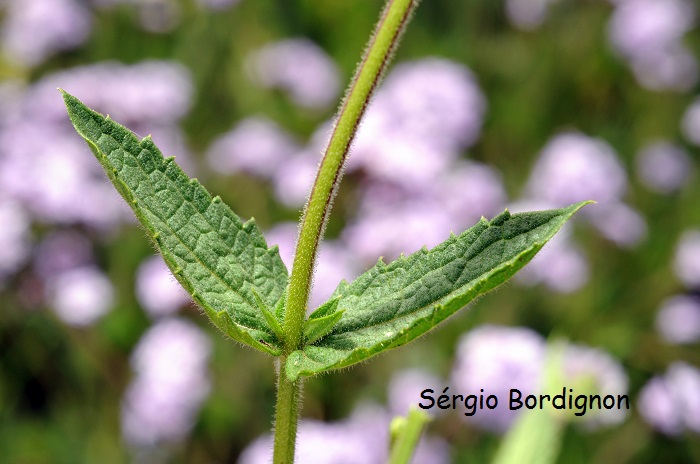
point(317, 328)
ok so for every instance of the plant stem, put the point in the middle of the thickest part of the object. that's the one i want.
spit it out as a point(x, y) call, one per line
point(287, 409)
point(368, 75)
point(407, 436)
point(382, 44)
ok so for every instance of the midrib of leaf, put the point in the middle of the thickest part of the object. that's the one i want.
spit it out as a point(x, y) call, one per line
point(168, 203)
point(404, 262)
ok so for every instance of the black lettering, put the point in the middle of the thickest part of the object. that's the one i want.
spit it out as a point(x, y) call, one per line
point(426, 396)
point(516, 399)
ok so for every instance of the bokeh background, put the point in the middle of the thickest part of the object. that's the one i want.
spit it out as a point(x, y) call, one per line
point(525, 104)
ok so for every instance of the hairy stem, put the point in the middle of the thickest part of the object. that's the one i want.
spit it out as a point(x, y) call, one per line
point(288, 394)
point(406, 436)
point(368, 75)
point(382, 44)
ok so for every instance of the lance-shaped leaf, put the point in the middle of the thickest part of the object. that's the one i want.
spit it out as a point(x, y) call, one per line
point(322, 321)
point(390, 305)
point(221, 261)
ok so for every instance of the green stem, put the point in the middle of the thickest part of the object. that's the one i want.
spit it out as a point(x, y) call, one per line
point(313, 222)
point(406, 433)
point(288, 394)
point(382, 44)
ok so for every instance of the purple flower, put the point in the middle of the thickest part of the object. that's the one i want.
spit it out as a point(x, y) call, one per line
point(670, 403)
point(317, 442)
point(591, 371)
point(335, 262)
point(619, 223)
point(148, 93)
point(437, 100)
point(648, 34)
point(424, 114)
point(363, 438)
point(157, 290)
point(61, 182)
point(686, 263)
point(15, 242)
point(673, 69)
point(497, 359)
point(57, 182)
point(561, 266)
point(643, 26)
point(284, 235)
point(397, 156)
point(678, 319)
point(398, 229)
point(663, 166)
point(574, 167)
point(159, 16)
point(405, 389)
point(527, 14)
point(300, 67)
point(80, 296)
point(468, 191)
point(401, 218)
point(658, 407)
point(294, 178)
point(256, 145)
point(61, 251)
point(171, 382)
point(156, 16)
point(12, 93)
point(36, 29)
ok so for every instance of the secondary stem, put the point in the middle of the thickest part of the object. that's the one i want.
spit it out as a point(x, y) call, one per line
point(382, 44)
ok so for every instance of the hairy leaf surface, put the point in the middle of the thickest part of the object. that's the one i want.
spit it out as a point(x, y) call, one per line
point(221, 261)
point(390, 305)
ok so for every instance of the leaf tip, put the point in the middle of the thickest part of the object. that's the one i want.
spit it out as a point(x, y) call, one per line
point(571, 210)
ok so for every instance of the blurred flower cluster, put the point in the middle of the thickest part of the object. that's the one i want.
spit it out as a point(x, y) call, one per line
point(361, 438)
point(171, 382)
point(648, 34)
point(435, 152)
point(498, 359)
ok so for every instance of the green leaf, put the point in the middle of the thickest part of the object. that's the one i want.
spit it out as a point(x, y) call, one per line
point(218, 259)
point(270, 318)
point(390, 305)
point(322, 321)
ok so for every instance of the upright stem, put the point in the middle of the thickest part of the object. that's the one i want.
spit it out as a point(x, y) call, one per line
point(382, 44)
point(287, 416)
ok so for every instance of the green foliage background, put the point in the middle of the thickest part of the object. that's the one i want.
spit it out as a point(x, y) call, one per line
point(61, 387)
